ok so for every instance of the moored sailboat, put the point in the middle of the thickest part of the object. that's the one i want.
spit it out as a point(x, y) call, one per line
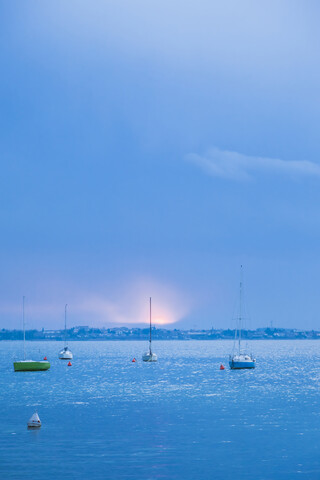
point(240, 359)
point(65, 353)
point(28, 365)
point(150, 356)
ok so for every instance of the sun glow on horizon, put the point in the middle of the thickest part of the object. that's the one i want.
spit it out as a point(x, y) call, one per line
point(108, 306)
point(169, 305)
point(162, 321)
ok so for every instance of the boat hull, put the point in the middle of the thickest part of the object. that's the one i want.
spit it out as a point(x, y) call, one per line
point(66, 356)
point(241, 365)
point(30, 366)
point(150, 357)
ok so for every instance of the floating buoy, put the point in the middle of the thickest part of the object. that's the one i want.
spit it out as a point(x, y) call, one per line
point(221, 367)
point(133, 360)
point(45, 358)
point(34, 421)
point(69, 364)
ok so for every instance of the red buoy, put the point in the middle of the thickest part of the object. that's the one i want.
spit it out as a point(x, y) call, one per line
point(133, 360)
point(69, 364)
point(45, 358)
point(221, 367)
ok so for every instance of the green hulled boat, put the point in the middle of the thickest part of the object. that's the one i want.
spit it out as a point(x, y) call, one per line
point(29, 365)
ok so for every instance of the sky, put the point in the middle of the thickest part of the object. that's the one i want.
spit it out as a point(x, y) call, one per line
point(148, 149)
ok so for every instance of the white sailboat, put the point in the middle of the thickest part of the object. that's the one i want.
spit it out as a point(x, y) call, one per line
point(65, 353)
point(150, 356)
point(240, 359)
point(34, 421)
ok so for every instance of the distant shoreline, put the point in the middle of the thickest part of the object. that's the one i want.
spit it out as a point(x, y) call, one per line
point(85, 333)
point(155, 340)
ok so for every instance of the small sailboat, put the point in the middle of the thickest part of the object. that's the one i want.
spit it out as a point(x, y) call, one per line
point(34, 421)
point(28, 365)
point(65, 353)
point(150, 356)
point(240, 359)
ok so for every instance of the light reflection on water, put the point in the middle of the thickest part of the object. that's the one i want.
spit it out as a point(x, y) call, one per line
point(180, 418)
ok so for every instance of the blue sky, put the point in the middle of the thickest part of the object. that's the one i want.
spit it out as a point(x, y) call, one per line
point(149, 149)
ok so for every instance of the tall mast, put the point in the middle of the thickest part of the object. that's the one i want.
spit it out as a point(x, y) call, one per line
point(150, 327)
point(24, 330)
point(240, 311)
point(65, 324)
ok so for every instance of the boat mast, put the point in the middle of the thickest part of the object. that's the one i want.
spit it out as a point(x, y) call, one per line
point(24, 330)
point(240, 311)
point(150, 330)
point(65, 324)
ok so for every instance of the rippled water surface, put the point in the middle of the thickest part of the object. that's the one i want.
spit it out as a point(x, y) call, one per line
point(181, 418)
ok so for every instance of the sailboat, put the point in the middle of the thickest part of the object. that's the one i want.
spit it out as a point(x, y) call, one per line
point(240, 360)
point(28, 365)
point(150, 356)
point(65, 353)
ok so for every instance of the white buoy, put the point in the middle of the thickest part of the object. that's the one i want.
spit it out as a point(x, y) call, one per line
point(34, 421)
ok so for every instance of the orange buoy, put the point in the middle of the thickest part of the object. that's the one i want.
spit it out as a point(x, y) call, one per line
point(133, 360)
point(45, 358)
point(221, 367)
point(69, 364)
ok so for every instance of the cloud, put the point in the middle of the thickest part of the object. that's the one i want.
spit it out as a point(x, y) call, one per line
point(236, 166)
point(202, 32)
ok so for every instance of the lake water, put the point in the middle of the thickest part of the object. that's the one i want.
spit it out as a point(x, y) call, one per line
point(181, 418)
